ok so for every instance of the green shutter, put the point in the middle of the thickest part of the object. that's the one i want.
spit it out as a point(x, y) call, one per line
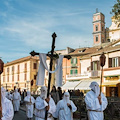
point(76, 71)
point(76, 60)
point(71, 60)
point(71, 72)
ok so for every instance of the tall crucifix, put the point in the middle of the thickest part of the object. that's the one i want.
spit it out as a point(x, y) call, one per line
point(1, 70)
point(51, 55)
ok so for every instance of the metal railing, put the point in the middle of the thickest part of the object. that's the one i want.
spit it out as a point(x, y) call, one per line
point(112, 112)
point(95, 73)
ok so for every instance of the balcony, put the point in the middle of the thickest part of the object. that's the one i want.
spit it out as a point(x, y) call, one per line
point(95, 73)
point(74, 66)
point(77, 76)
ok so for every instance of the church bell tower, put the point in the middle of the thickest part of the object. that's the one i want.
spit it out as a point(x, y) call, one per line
point(98, 28)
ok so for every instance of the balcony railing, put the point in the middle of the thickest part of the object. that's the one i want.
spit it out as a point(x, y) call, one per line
point(95, 73)
point(77, 76)
point(74, 66)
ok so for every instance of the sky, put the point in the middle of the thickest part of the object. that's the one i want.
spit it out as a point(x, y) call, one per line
point(27, 25)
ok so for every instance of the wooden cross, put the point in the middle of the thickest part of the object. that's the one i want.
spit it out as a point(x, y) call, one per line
point(52, 56)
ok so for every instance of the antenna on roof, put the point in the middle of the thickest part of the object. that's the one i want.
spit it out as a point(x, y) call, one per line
point(96, 10)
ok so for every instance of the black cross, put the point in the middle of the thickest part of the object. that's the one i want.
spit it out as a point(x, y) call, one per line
point(52, 56)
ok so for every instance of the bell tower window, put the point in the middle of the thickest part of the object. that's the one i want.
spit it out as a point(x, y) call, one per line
point(96, 38)
point(96, 27)
point(102, 28)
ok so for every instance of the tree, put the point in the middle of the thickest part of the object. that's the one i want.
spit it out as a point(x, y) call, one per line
point(116, 10)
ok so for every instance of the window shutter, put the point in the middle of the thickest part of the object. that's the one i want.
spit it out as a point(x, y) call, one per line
point(76, 60)
point(98, 65)
point(87, 68)
point(71, 60)
point(110, 62)
point(76, 71)
point(91, 65)
point(34, 65)
point(71, 71)
point(118, 61)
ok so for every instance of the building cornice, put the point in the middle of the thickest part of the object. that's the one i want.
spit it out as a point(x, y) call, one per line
point(21, 60)
point(111, 68)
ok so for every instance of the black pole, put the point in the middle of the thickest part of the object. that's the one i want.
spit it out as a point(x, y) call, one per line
point(101, 81)
point(51, 63)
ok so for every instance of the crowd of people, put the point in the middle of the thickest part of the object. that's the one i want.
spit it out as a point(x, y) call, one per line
point(55, 106)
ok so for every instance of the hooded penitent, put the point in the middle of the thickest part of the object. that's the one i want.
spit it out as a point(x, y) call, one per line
point(43, 94)
point(66, 99)
point(95, 87)
point(3, 94)
point(28, 94)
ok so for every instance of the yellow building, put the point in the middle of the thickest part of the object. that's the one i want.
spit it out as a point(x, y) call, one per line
point(19, 73)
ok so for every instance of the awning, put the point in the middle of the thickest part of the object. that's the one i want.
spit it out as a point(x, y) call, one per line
point(70, 85)
point(110, 84)
point(112, 75)
point(84, 84)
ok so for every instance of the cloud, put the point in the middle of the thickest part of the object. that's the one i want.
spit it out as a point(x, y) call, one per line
point(26, 25)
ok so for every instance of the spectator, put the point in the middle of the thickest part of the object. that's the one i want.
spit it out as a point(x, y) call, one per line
point(24, 94)
point(73, 93)
point(78, 92)
point(19, 91)
point(81, 94)
point(60, 92)
point(55, 95)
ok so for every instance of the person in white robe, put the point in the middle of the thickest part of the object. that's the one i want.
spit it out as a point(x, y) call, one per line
point(96, 102)
point(65, 108)
point(42, 104)
point(7, 107)
point(16, 100)
point(29, 105)
point(9, 96)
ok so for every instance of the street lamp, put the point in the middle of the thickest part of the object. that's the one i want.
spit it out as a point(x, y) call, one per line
point(102, 63)
point(102, 60)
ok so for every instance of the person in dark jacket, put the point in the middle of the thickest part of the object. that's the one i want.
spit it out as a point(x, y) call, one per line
point(60, 92)
point(55, 95)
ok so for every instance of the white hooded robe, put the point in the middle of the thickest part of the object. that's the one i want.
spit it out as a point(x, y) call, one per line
point(29, 105)
point(7, 107)
point(40, 106)
point(16, 100)
point(95, 110)
point(63, 112)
